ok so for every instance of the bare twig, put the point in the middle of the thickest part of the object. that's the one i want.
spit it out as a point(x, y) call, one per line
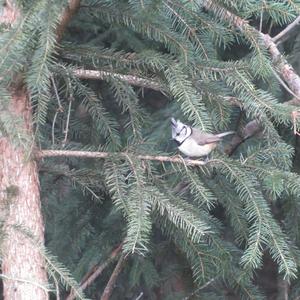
point(59, 109)
point(68, 121)
point(261, 16)
point(285, 86)
point(113, 278)
point(95, 272)
point(287, 72)
point(56, 288)
point(32, 282)
point(53, 128)
point(295, 115)
point(88, 154)
point(200, 288)
point(139, 296)
point(282, 35)
point(134, 80)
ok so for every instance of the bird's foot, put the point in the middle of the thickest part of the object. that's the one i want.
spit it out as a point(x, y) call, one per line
point(207, 159)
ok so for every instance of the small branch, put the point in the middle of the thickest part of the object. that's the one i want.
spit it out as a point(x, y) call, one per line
point(200, 288)
point(134, 80)
point(261, 16)
point(295, 115)
point(69, 12)
point(286, 70)
point(95, 272)
point(68, 121)
point(281, 36)
point(56, 288)
point(88, 154)
point(285, 86)
point(139, 296)
point(113, 278)
point(53, 128)
point(41, 286)
point(59, 109)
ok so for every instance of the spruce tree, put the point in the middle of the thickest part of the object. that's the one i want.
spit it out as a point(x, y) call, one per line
point(125, 216)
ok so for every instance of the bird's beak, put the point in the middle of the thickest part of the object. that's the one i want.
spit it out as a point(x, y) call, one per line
point(174, 125)
point(173, 122)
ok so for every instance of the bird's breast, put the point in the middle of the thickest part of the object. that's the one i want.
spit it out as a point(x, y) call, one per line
point(190, 148)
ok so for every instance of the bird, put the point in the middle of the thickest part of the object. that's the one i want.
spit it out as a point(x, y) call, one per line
point(192, 141)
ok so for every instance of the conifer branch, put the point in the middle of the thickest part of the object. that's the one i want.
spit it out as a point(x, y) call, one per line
point(95, 272)
point(113, 278)
point(285, 69)
point(131, 79)
point(282, 35)
point(89, 154)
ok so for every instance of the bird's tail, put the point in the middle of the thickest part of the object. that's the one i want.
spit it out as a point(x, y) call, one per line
point(220, 135)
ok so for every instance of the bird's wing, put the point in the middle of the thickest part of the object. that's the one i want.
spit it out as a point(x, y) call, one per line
point(204, 138)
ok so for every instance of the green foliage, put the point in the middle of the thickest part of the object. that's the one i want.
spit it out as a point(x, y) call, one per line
point(216, 223)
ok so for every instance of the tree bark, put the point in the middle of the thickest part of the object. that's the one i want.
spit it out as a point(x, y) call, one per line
point(23, 272)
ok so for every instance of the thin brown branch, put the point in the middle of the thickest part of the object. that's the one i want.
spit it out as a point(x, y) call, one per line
point(113, 278)
point(88, 154)
point(58, 110)
point(282, 35)
point(69, 12)
point(261, 16)
point(134, 80)
point(283, 288)
point(200, 288)
point(67, 122)
point(285, 86)
point(95, 272)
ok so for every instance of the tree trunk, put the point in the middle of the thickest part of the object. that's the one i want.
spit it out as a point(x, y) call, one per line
point(24, 274)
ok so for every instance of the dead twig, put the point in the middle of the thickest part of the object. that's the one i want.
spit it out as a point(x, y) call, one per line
point(113, 278)
point(95, 272)
point(282, 35)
